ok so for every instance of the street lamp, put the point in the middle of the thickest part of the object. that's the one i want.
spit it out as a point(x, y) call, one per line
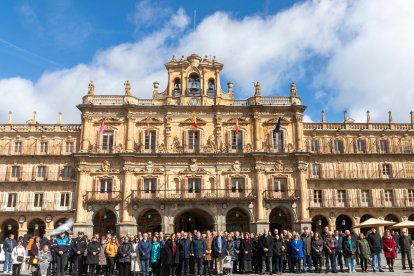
point(36, 226)
point(9, 227)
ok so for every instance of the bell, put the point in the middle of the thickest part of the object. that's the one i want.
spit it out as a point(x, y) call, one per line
point(193, 85)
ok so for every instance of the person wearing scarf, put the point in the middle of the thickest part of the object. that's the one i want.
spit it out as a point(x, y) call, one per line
point(349, 249)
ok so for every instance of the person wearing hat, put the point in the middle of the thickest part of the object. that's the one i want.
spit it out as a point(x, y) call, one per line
point(61, 251)
point(78, 248)
point(92, 257)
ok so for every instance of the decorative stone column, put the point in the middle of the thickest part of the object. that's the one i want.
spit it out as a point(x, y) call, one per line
point(261, 220)
point(86, 126)
point(81, 214)
point(126, 224)
point(130, 134)
point(257, 124)
point(299, 131)
point(303, 214)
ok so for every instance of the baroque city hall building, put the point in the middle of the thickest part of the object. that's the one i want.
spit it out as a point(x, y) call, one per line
point(193, 157)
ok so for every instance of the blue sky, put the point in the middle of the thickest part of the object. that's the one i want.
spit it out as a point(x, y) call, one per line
point(343, 55)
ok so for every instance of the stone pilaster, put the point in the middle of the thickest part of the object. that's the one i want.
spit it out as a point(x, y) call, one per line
point(299, 132)
point(257, 125)
point(130, 134)
point(126, 195)
point(81, 213)
point(303, 214)
point(259, 208)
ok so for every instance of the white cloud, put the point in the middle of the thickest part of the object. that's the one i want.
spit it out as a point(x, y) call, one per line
point(366, 46)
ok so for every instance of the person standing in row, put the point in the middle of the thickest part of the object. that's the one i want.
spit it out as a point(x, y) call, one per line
point(44, 259)
point(124, 257)
point(155, 256)
point(208, 258)
point(18, 257)
point(61, 251)
point(390, 250)
point(297, 252)
point(78, 247)
point(198, 251)
point(279, 249)
point(405, 248)
point(349, 251)
point(144, 248)
point(246, 250)
point(92, 258)
point(8, 245)
point(111, 251)
point(135, 261)
point(266, 245)
point(219, 251)
point(101, 268)
point(375, 244)
point(364, 252)
point(317, 252)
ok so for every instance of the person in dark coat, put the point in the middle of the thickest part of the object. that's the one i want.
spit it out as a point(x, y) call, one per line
point(237, 265)
point(124, 257)
point(198, 251)
point(405, 247)
point(307, 250)
point(256, 260)
point(92, 257)
point(349, 250)
point(375, 244)
point(78, 247)
point(266, 246)
point(185, 250)
point(246, 253)
point(34, 252)
point(330, 246)
point(317, 252)
point(279, 252)
point(171, 256)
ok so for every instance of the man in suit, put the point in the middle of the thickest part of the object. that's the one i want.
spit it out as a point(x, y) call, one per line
point(185, 249)
point(198, 251)
point(219, 251)
point(266, 247)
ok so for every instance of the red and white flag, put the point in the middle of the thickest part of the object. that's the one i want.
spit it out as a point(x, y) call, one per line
point(237, 126)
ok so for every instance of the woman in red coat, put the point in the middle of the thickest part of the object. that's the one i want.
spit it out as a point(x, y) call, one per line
point(389, 249)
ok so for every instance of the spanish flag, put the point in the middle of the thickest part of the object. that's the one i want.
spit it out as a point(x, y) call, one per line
point(237, 126)
point(195, 122)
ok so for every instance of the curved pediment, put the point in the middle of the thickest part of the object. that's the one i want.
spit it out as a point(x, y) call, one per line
point(233, 121)
point(273, 121)
point(153, 121)
point(190, 121)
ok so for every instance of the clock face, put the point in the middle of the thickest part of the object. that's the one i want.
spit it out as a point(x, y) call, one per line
point(193, 101)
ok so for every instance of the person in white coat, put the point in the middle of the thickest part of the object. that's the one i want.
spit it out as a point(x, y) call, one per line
point(135, 261)
point(18, 257)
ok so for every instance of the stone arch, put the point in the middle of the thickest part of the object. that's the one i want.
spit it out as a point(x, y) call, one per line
point(191, 219)
point(149, 220)
point(93, 209)
point(104, 221)
point(237, 219)
point(9, 226)
point(280, 218)
point(392, 217)
point(36, 227)
point(286, 206)
point(318, 223)
point(343, 222)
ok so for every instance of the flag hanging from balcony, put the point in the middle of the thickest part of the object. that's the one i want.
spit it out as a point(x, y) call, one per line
point(237, 126)
point(148, 126)
point(195, 122)
point(102, 128)
point(277, 127)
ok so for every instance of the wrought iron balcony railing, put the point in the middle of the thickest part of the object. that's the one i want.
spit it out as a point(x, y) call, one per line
point(100, 196)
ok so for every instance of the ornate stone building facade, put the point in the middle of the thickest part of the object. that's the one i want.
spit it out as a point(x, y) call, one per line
point(193, 157)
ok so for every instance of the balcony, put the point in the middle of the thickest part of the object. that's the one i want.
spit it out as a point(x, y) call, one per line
point(289, 195)
point(35, 150)
point(332, 202)
point(25, 176)
point(194, 195)
point(360, 173)
point(25, 206)
point(103, 197)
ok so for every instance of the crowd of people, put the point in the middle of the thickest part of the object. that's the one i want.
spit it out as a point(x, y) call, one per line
point(207, 253)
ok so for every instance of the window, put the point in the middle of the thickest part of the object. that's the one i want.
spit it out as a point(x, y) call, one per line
point(411, 195)
point(107, 141)
point(314, 144)
point(277, 140)
point(38, 200)
point(211, 88)
point(67, 171)
point(384, 146)
point(193, 140)
point(15, 171)
point(365, 196)
point(43, 147)
point(64, 199)
point(11, 200)
point(407, 147)
point(41, 171)
point(386, 170)
point(106, 186)
point(69, 147)
point(194, 185)
point(338, 146)
point(317, 196)
point(279, 184)
point(236, 140)
point(237, 184)
point(316, 169)
point(150, 140)
point(150, 184)
point(18, 147)
point(341, 196)
point(361, 146)
point(388, 195)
